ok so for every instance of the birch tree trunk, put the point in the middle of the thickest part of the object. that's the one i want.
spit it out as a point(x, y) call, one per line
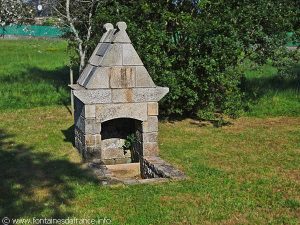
point(69, 18)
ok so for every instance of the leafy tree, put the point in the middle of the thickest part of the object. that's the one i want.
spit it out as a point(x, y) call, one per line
point(197, 48)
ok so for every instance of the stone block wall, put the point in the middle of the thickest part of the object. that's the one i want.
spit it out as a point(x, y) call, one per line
point(87, 130)
point(88, 120)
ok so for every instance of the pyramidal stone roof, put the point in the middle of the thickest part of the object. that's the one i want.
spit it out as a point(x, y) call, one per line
point(115, 64)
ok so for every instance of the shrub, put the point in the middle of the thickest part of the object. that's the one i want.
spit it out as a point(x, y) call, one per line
point(197, 48)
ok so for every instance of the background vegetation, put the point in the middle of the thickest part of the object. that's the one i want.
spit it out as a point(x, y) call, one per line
point(200, 49)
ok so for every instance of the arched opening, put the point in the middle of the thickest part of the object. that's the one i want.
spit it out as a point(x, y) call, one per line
point(120, 140)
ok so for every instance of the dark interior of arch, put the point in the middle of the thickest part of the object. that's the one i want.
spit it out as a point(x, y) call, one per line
point(114, 134)
point(118, 128)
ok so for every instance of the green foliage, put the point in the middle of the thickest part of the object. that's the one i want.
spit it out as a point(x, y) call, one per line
point(286, 62)
point(196, 48)
point(129, 142)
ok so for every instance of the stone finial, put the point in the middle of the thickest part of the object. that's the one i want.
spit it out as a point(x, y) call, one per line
point(109, 31)
point(121, 25)
point(108, 26)
point(121, 36)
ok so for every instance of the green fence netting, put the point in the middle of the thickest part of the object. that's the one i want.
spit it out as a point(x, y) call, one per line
point(32, 30)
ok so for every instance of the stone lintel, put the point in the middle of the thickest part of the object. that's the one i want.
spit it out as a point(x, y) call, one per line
point(106, 112)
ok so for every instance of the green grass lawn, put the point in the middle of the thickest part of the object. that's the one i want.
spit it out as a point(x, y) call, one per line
point(33, 73)
point(244, 173)
point(272, 94)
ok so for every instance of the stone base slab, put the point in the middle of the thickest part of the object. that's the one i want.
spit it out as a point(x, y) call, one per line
point(152, 170)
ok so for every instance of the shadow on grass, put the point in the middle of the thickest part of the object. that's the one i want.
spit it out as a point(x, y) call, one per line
point(33, 87)
point(219, 122)
point(69, 135)
point(257, 87)
point(33, 184)
point(58, 77)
